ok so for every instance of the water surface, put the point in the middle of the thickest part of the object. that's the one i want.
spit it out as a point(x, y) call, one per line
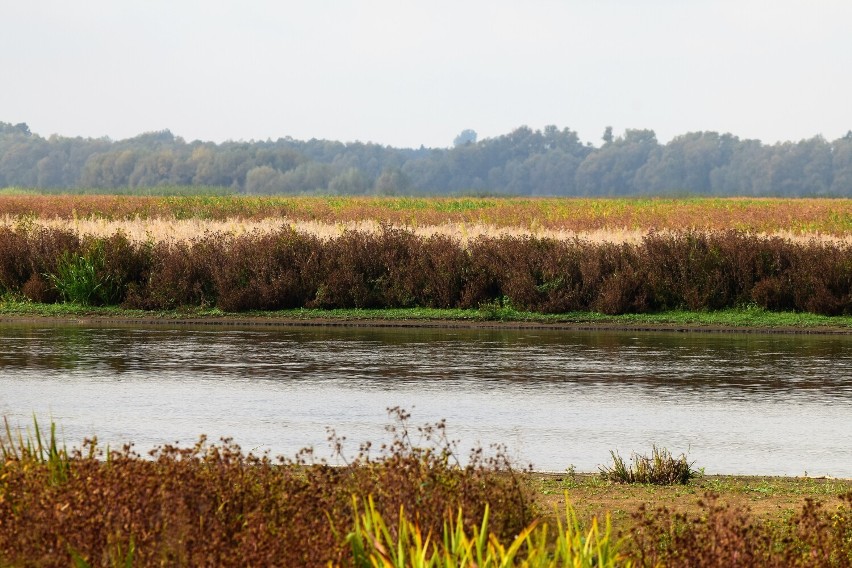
point(738, 403)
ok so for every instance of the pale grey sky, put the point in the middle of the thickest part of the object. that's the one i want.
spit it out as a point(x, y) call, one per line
point(407, 73)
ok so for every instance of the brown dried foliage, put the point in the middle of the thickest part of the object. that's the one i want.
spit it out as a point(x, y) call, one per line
point(179, 274)
point(28, 255)
point(265, 272)
point(212, 505)
point(395, 268)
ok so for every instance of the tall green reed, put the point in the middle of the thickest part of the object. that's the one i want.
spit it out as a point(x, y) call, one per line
point(376, 544)
point(82, 279)
point(36, 448)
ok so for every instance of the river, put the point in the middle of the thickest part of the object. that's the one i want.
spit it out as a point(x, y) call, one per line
point(734, 403)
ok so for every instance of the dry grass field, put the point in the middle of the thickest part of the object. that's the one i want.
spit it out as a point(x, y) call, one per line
point(596, 220)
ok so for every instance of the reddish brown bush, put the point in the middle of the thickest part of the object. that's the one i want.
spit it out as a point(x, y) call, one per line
point(481, 281)
point(351, 272)
point(124, 262)
point(179, 275)
point(267, 272)
point(14, 259)
point(435, 276)
point(212, 505)
point(38, 289)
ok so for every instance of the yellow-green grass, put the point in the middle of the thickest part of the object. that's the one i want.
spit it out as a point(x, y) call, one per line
point(750, 317)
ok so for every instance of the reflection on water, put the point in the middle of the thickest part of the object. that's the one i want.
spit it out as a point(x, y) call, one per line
point(745, 403)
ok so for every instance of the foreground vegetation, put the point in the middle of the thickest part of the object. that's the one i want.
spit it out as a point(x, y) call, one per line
point(214, 505)
point(410, 503)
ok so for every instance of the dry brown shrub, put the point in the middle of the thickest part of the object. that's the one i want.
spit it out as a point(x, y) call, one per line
point(693, 270)
point(37, 289)
point(179, 275)
point(614, 279)
point(435, 277)
point(15, 267)
point(267, 272)
point(213, 505)
point(481, 282)
point(46, 247)
point(352, 273)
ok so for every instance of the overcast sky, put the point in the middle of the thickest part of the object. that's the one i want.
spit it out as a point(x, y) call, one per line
point(407, 73)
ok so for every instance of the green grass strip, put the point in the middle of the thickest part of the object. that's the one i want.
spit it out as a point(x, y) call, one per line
point(749, 317)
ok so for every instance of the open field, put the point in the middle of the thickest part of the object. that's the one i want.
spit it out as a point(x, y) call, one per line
point(623, 219)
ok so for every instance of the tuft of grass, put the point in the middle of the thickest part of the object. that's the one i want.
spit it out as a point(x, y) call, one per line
point(35, 448)
point(499, 309)
point(82, 279)
point(660, 468)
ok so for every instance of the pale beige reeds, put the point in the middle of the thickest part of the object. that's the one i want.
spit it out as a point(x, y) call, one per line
point(170, 229)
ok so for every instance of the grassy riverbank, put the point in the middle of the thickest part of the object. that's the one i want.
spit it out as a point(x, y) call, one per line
point(214, 505)
point(768, 499)
point(749, 318)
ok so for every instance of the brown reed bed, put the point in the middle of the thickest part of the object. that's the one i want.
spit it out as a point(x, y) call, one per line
point(398, 269)
point(172, 230)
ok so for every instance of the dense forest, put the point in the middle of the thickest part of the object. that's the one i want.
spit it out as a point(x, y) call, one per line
point(523, 162)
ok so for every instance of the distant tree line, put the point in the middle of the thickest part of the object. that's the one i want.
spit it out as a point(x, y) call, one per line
point(523, 162)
